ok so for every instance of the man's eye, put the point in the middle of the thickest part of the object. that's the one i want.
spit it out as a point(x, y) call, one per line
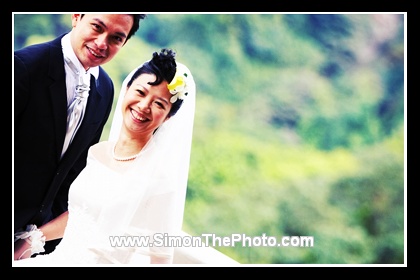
point(96, 26)
point(118, 39)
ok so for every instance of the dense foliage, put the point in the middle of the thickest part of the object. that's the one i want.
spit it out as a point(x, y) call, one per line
point(299, 129)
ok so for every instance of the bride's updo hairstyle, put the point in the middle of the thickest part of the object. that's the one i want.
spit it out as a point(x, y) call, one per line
point(163, 66)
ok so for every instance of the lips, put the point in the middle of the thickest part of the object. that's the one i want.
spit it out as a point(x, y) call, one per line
point(139, 116)
point(95, 54)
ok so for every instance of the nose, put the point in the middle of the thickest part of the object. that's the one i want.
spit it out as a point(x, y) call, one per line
point(144, 105)
point(102, 41)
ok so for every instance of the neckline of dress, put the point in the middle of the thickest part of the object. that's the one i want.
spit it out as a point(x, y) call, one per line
point(129, 158)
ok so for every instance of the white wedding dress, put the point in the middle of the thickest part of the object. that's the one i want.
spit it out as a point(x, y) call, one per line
point(140, 198)
point(101, 202)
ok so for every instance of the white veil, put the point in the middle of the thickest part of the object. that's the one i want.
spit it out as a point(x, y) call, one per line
point(162, 169)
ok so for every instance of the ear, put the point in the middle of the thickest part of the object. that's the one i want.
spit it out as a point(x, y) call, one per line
point(75, 18)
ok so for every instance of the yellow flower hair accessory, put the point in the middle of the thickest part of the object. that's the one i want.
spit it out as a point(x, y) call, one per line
point(178, 87)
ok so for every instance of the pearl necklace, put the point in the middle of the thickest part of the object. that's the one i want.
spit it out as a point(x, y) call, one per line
point(123, 159)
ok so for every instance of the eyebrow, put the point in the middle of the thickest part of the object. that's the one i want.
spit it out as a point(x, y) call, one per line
point(106, 27)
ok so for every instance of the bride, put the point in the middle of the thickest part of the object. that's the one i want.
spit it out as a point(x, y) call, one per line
point(134, 184)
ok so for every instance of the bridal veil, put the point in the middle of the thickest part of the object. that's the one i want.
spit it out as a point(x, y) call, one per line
point(155, 203)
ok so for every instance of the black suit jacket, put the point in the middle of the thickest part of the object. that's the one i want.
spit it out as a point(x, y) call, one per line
point(41, 179)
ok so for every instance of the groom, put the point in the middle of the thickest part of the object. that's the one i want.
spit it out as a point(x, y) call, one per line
point(44, 166)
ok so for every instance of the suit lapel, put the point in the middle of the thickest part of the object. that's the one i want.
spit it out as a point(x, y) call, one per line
point(58, 93)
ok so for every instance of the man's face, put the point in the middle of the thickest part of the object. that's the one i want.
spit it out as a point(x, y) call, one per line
point(97, 38)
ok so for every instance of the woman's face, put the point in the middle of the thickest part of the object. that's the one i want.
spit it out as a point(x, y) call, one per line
point(146, 107)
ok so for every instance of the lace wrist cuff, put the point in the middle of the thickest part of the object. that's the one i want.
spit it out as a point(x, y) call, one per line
point(34, 237)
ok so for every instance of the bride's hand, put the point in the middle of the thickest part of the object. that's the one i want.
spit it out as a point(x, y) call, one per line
point(22, 250)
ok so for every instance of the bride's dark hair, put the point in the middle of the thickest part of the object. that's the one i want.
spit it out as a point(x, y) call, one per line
point(163, 66)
